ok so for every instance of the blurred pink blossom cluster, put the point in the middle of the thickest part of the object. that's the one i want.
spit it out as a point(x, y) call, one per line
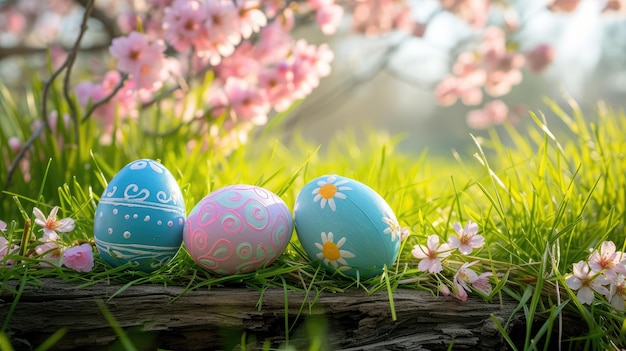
point(381, 16)
point(160, 49)
point(495, 64)
point(604, 272)
point(51, 249)
point(465, 240)
point(255, 73)
point(494, 68)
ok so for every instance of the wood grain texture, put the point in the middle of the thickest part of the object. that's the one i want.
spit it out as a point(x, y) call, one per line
point(215, 319)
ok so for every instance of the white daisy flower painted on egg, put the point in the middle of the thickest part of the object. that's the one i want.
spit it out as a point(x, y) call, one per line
point(394, 228)
point(330, 251)
point(329, 190)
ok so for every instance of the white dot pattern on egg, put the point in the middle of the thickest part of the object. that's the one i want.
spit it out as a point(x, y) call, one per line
point(128, 223)
point(346, 226)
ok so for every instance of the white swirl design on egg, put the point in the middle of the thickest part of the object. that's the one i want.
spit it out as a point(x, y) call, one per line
point(162, 197)
point(156, 167)
point(112, 192)
point(142, 203)
point(132, 192)
point(138, 252)
point(142, 164)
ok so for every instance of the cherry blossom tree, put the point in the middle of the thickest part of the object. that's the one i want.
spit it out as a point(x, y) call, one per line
point(154, 52)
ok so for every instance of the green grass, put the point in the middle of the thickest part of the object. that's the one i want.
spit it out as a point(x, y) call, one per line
point(543, 196)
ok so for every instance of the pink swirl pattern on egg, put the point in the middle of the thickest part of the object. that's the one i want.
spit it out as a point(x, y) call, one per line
point(221, 251)
point(237, 229)
point(281, 232)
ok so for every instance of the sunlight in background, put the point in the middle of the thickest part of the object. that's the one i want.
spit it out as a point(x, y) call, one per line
point(588, 66)
point(376, 86)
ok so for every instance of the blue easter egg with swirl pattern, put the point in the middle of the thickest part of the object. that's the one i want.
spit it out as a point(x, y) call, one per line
point(346, 226)
point(238, 229)
point(140, 217)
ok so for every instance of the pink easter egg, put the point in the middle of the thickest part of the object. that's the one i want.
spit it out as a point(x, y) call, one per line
point(238, 229)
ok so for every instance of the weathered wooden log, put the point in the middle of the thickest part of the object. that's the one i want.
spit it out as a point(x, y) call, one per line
point(224, 318)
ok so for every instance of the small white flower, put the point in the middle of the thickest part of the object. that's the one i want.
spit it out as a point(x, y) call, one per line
point(51, 225)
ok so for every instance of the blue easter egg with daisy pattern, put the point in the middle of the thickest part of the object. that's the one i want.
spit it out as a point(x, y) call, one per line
point(346, 226)
point(140, 217)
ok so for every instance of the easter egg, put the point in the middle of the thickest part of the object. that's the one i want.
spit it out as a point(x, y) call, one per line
point(238, 229)
point(140, 217)
point(347, 226)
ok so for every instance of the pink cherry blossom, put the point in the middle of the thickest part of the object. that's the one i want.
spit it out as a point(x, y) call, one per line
point(617, 292)
point(446, 91)
point(277, 85)
point(51, 225)
point(444, 289)
point(503, 72)
point(135, 51)
point(310, 63)
point(151, 76)
point(142, 58)
point(3, 225)
point(452, 88)
point(404, 233)
point(474, 12)
point(183, 23)
point(58, 55)
point(458, 292)
point(328, 18)
point(218, 101)
point(540, 57)
point(243, 63)
point(511, 20)
point(468, 67)
point(79, 258)
point(50, 254)
point(6, 248)
point(494, 112)
point(15, 144)
point(586, 282)
point(222, 26)
point(12, 21)
point(122, 105)
point(274, 43)
point(431, 254)
point(467, 275)
point(493, 43)
point(246, 101)
point(607, 260)
point(373, 17)
point(466, 239)
point(251, 18)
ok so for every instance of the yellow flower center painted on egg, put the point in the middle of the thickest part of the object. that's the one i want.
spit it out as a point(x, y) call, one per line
point(331, 251)
point(327, 191)
point(330, 189)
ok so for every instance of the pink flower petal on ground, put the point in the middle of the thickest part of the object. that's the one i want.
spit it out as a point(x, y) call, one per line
point(79, 258)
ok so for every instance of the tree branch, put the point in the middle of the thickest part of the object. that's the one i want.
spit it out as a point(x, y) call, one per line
point(106, 99)
point(109, 24)
point(71, 58)
point(69, 62)
point(23, 50)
